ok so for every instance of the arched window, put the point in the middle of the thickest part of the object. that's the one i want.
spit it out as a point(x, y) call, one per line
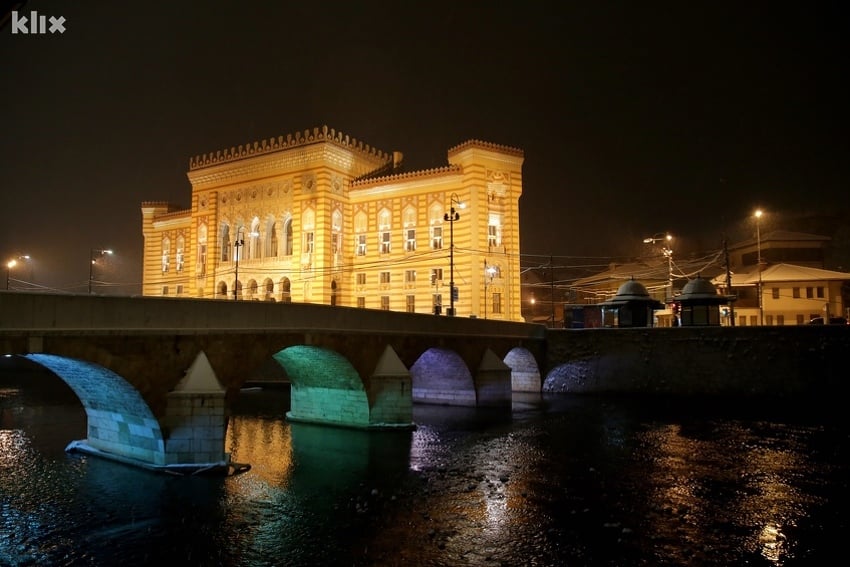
point(287, 237)
point(201, 268)
point(271, 238)
point(336, 232)
point(285, 290)
point(225, 242)
point(309, 225)
point(360, 228)
point(252, 240)
point(181, 247)
point(409, 234)
point(166, 251)
point(435, 222)
point(384, 231)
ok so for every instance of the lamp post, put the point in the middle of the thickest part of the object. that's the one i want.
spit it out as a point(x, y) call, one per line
point(100, 252)
point(451, 217)
point(758, 215)
point(236, 246)
point(489, 273)
point(11, 264)
point(668, 252)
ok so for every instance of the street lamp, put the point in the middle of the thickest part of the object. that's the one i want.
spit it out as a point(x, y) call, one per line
point(758, 215)
point(668, 252)
point(489, 274)
point(100, 252)
point(451, 217)
point(236, 246)
point(11, 264)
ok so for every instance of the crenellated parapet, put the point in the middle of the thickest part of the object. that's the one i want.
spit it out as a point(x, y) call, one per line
point(435, 171)
point(486, 146)
point(323, 134)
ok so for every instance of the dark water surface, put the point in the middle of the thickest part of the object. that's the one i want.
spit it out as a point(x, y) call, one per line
point(556, 480)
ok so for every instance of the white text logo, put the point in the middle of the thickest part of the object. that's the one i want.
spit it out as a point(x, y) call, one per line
point(36, 24)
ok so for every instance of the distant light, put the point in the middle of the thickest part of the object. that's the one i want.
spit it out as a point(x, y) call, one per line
point(758, 213)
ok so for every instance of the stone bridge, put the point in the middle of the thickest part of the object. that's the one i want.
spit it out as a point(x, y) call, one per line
point(156, 375)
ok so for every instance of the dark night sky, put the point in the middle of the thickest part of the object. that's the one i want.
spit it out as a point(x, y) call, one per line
point(629, 113)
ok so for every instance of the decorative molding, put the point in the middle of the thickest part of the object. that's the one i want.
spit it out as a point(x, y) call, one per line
point(423, 173)
point(323, 134)
point(486, 146)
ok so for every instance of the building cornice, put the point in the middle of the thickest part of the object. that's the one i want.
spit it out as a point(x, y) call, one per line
point(289, 142)
point(397, 179)
point(480, 144)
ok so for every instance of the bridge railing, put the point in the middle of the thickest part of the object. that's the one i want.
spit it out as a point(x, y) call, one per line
point(35, 311)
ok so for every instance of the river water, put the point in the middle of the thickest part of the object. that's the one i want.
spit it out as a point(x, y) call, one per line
point(555, 480)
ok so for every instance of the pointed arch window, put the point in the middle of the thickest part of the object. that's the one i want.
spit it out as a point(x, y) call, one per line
point(360, 228)
point(435, 222)
point(225, 242)
point(336, 232)
point(181, 247)
point(202, 250)
point(287, 237)
point(309, 220)
point(166, 251)
point(271, 238)
point(410, 229)
point(384, 234)
point(253, 240)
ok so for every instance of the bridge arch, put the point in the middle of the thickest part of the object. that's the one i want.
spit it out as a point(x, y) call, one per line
point(325, 387)
point(119, 420)
point(525, 373)
point(440, 376)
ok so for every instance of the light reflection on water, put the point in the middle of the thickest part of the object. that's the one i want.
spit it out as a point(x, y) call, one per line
point(553, 481)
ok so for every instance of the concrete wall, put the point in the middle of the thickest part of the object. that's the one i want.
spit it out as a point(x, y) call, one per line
point(741, 361)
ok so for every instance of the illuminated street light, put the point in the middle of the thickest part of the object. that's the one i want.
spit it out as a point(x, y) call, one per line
point(758, 215)
point(236, 246)
point(668, 251)
point(100, 253)
point(240, 242)
point(451, 217)
point(11, 264)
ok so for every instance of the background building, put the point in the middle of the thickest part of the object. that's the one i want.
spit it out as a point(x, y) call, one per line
point(320, 217)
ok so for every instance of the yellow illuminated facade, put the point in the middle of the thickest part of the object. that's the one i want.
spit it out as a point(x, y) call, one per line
point(320, 217)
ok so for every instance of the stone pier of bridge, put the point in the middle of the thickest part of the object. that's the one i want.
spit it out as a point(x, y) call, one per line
point(156, 375)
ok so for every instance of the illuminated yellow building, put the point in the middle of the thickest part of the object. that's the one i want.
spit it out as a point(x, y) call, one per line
point(320, 217)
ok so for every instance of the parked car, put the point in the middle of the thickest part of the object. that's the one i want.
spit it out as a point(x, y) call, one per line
point(832, 321)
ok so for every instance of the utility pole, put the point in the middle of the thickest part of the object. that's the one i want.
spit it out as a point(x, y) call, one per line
point(552, 288)
point(729, 283)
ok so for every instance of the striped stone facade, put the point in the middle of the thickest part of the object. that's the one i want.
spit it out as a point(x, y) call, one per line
point(319, 217)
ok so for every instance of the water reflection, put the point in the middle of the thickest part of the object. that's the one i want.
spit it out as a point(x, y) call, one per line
point(552, 481)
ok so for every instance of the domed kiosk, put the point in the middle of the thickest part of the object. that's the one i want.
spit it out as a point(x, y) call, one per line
point(630, 307)
point(700, 304)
